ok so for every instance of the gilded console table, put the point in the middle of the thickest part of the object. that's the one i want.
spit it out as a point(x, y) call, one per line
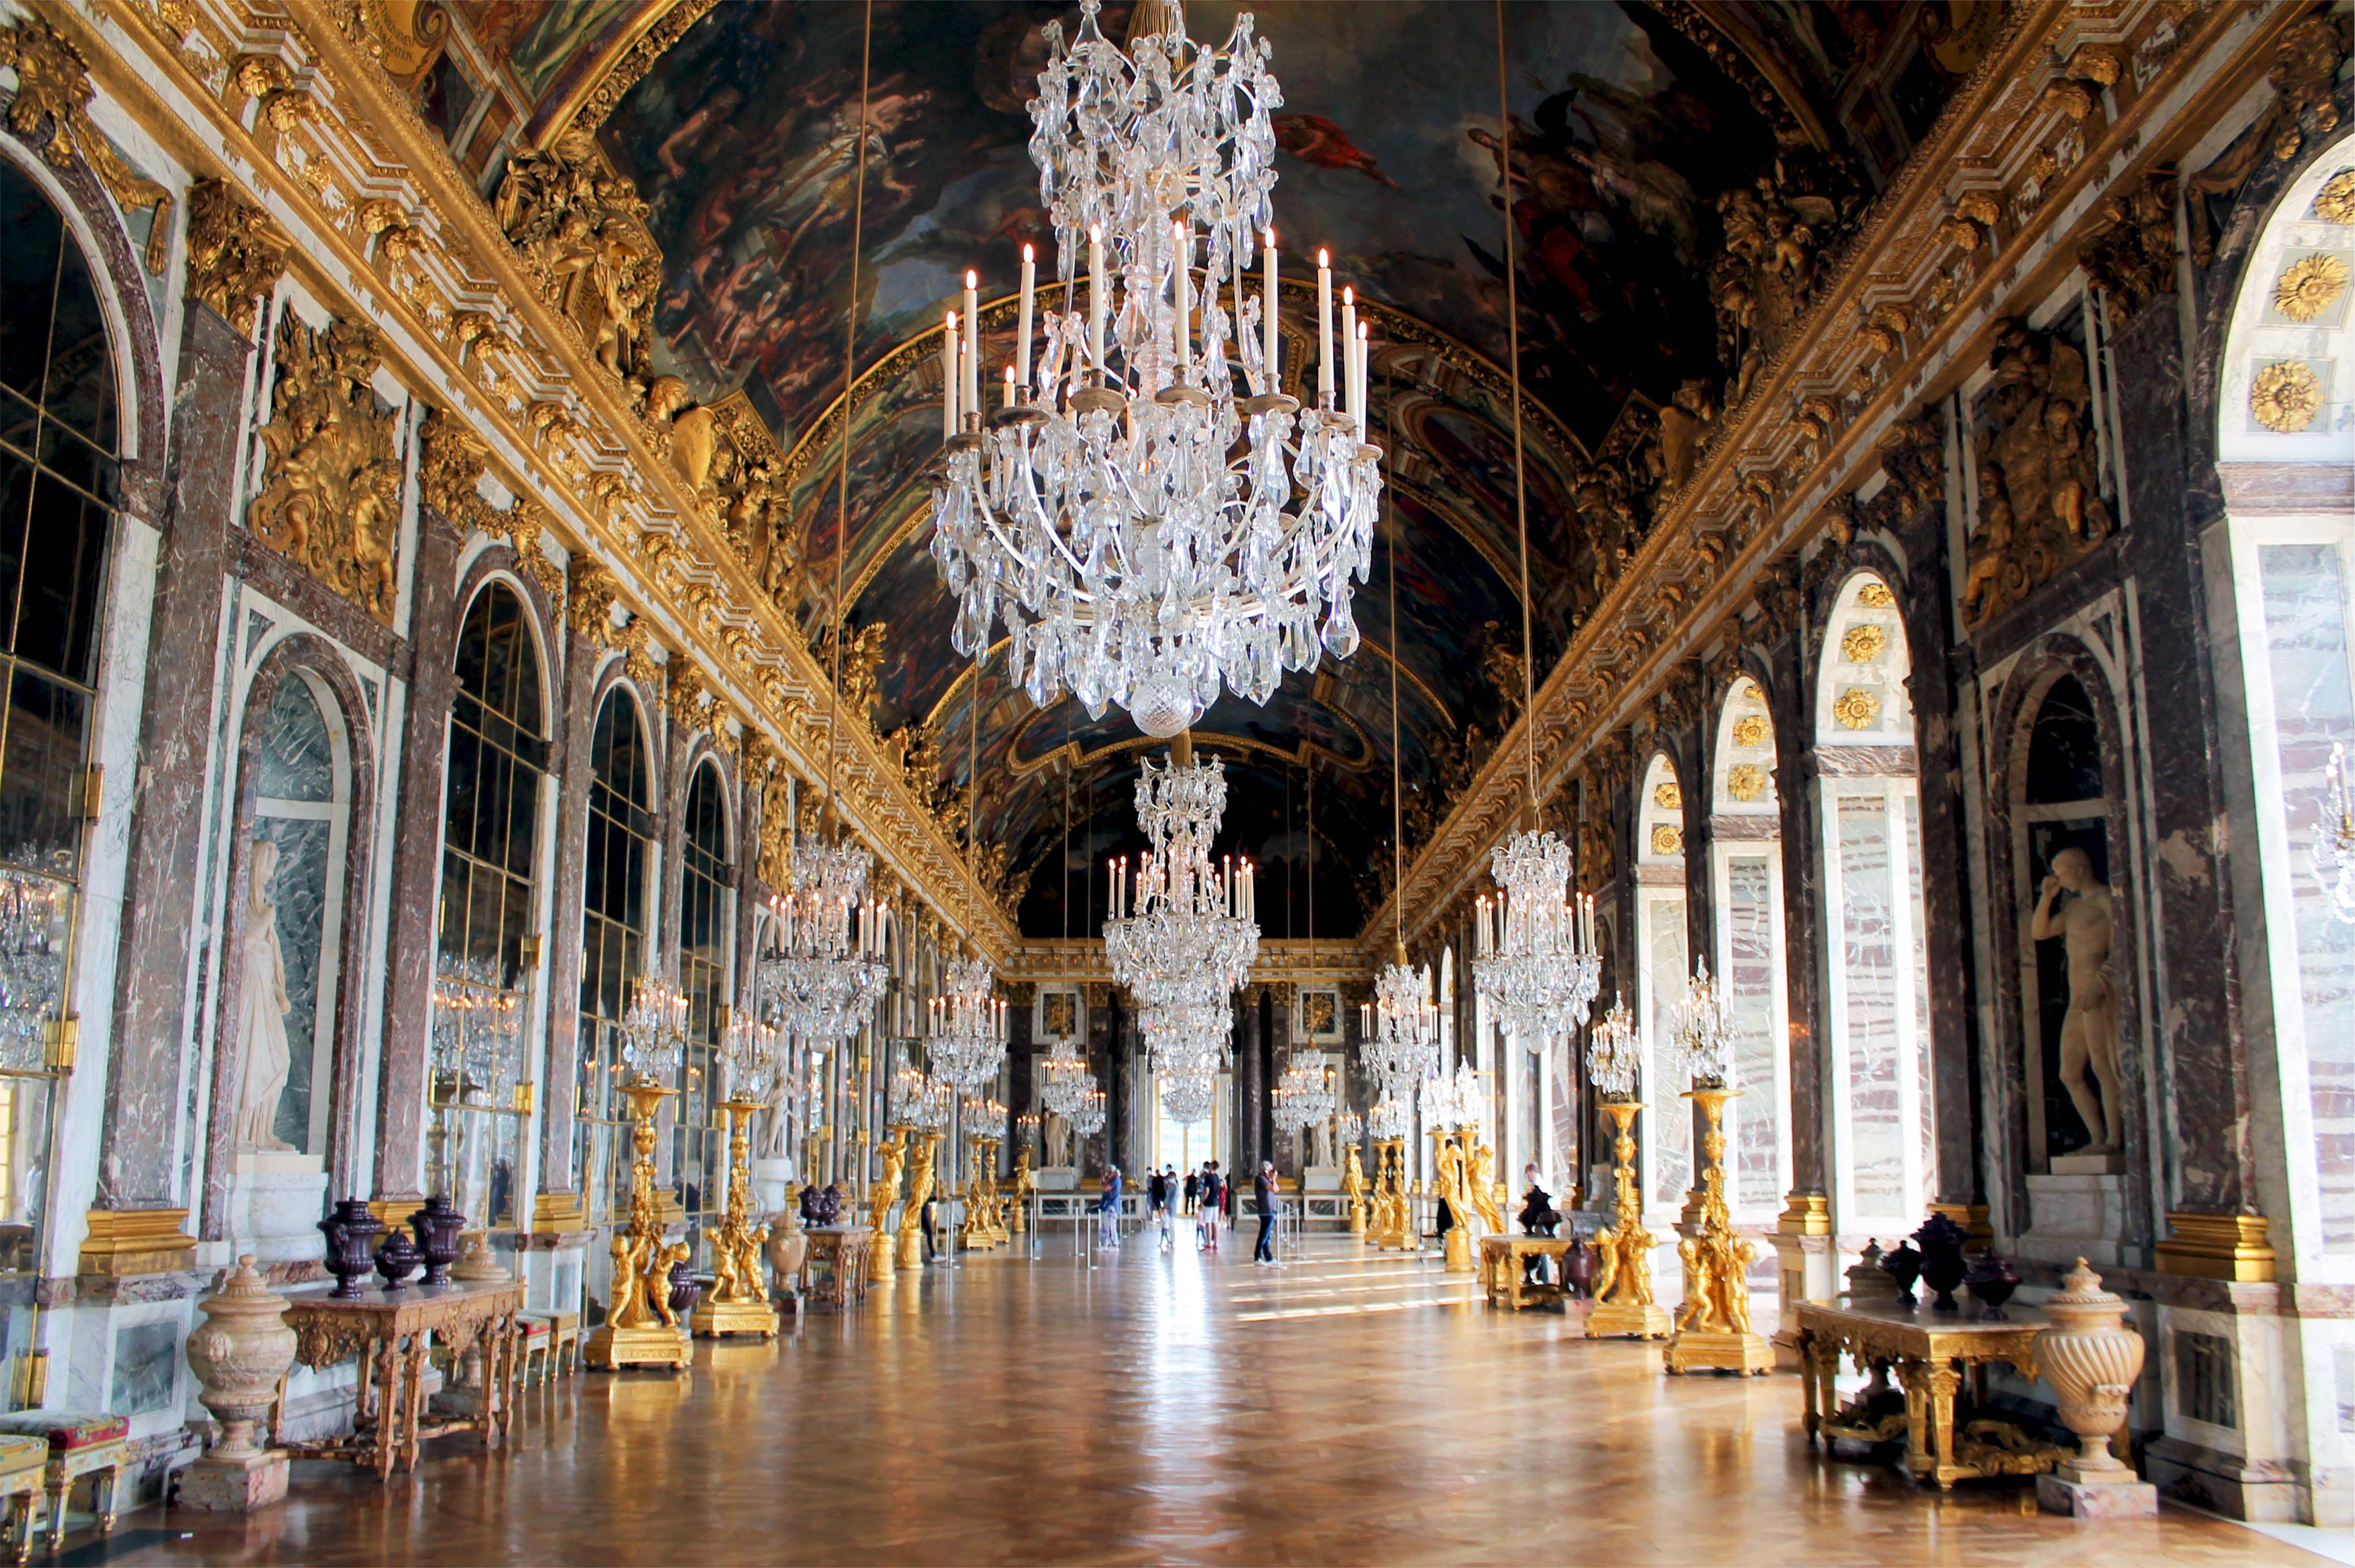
point(845, 1253)
point(1931, 1353)
point(391, 1333)
point(1501, 1259)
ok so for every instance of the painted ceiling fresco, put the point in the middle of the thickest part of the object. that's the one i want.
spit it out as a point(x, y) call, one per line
point(1625, 132)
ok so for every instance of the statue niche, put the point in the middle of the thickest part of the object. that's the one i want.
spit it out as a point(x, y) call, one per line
point(2070, 931)
point(2040, 508)
point(331, 496)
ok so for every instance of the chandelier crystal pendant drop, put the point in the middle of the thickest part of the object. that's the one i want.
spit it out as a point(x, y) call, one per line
point(1181, 926)
point(965, 1026)
point(1146, 528)
point(823, 967)
point(1536, 961)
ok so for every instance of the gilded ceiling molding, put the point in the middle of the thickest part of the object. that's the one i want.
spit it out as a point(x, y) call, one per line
point(2007, 135)
point(458, 305)
point(584, 104)
point(53, 95)
point(236, 252)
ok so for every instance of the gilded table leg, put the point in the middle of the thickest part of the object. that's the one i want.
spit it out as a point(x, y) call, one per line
point(20, 1522)
point(390, 1400)
point(60, 1489)
point(514, 1340)
point(420, 1345)
point(1943, 1381)
point(102, 1496)
point(1915, 1375)
point(1810, 1371)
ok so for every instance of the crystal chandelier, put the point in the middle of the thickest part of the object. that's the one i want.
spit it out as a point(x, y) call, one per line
point(1388, 1120)
point(1131, 514)
point(964, 1027)
point(1303, 1096)
point(1068, 1085)
point(1536, 960)
point(1403, 1029)
point(1440, 1098)
point(2334, 839)
point(1186, 1098)
point(1704, 1032)
point(1186, 1036)
point(983, 1121)
point(1614, 1056)
point(477, 1034)
point(920, 1100)
point(1181, 927)
point(1349, 1129)
point(755, 1061)
point(654, 1031)
point(824, 968)
point(32, 961)
point(1088, 1117)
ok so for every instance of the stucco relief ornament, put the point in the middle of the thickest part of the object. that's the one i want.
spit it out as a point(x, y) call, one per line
point(1750, 729)
point(1746, 780)
point(2334, 203)
point(1857, 708)
point(331, 498)
point(2285, 397)
point(2309, 286)
point(1862, 644)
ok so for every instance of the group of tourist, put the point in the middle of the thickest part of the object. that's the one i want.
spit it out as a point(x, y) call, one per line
point(1205, 1194)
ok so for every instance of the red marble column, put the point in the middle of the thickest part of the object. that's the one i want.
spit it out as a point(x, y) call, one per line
point(417, 863)
point(154, 1030)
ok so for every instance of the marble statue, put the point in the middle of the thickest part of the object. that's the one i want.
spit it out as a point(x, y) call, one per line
point(1057, 1132)
point(263, 1056)
point(1321, 1147)
point(778, 1120)
point(2089, 1032)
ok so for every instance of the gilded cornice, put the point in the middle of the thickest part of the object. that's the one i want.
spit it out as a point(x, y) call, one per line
point(389, 228)
point(2017, 155)
point(1279, 961)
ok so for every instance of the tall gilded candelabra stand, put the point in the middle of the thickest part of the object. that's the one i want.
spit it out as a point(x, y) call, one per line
point(738, 1301)
point(640, 1329)
point(921, 1168)
point(1713, 1325)
point(1623, 1271)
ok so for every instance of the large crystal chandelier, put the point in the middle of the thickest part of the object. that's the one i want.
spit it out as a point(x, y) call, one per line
point(823, 967)
point(1536, 960)
point(1069, 1087)
point(964, 1027)
point(1303, 1096)
point(1181, 927)
point(1144, 528)
point(1404, 1032)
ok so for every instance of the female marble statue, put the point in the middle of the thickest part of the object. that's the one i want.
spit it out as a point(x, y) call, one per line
point(2089, 1032)
point(263, 1053)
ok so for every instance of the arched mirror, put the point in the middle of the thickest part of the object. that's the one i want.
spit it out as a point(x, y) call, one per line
point(1746, 870)
point(1663, 973)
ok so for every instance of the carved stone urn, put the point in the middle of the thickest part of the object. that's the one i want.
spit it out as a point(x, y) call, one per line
point(437, 1227)
point(2090, 1357)
point(239, 1352)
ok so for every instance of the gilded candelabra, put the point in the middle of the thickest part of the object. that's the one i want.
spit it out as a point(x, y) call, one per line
point(738, 1302)
point(1713, 1325)
point(1019, 1200)
point(985, 1225)
point(1451, 1180)
point(920, 1188)
point(1389, 1225)
point(641, 1329)
point(1623, 1273)
point(890, 1156)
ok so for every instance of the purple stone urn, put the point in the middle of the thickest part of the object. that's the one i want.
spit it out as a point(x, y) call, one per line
point(351, 1231)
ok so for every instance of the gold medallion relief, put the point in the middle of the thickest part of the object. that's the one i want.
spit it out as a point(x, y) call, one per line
point(2285, 397)
point(1857, 709)
point(2310, 285)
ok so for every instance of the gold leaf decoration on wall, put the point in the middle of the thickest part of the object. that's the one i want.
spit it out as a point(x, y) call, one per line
point(1667, 839)
point(1857, 709)
point(1751, 729)
point(236, 253)
point(1746, 780)
point(2310, 285)
point(1668, 797)
point(1876, 596)
point(331, 500)
point(2334, 203)
point(1864, 644)
point(53, 89)
point(2285, 397)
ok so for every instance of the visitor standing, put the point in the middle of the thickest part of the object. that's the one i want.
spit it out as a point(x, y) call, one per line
point(1193, 1188)
point(1205, 1220)
point(1156, 1193)
point(1264, 1193)
point(1110, 1207)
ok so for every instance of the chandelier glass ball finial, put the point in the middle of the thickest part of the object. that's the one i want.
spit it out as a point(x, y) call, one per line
point(1150, 515)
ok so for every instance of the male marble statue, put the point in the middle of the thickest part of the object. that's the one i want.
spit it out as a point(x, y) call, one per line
point(261, 1009)
point(2089, 1032)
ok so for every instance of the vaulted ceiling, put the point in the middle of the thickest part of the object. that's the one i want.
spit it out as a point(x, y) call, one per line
point(1629, 122)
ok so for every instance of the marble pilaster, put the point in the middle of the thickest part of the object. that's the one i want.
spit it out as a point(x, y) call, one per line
point(559, 1080)
point(1251, 1098)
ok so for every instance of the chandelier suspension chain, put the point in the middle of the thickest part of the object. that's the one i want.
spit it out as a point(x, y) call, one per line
point(850, 379)
point(1513, 350)
point(1398, 800)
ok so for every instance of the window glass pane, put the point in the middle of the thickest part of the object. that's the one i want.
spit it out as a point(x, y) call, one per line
point(1869, 1043)
point(64, 545)
point(16, 488)
point(44, 751)
point(2305, 640)
point(80, 383)
point(1750, 992)
point(31, 235)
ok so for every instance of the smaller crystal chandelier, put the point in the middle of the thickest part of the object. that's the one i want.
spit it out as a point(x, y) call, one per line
point(654, 1031)
point(2334, 837)
point(1068, 1085)
point(964, 1027)
point(1388, 1120)
point(1303, 1096)
point(1614, 1056)
point(751, 1053)
point(983, 1121)
point(1349, 1129)
point(1404, 1031)
point(1179, 922)
point(1536, 959)
point(1704, 1032)
point(1186, 1097)
point(1087, 1119)
point(920, 1100)
point(477, 1034)
point(824, 966)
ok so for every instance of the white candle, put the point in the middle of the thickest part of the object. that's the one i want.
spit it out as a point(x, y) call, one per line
point(1096, 297)
point(949, 379)
point(1273, 347)
point(1365, 346)
point(1325, 326)
point(1349, 351)
point(1022, 327)
point(972, 344)
point(1181, 256)
point(1009, 386)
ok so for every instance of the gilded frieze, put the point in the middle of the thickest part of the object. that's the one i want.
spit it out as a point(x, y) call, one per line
point(331, 490)
point(51, 111)
point(582, 231)
point(236, 253)
point(2040, 503)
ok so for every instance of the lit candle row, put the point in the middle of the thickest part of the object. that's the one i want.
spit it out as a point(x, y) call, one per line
point(815, 925)
point(1492, 918)
point(944, 1013)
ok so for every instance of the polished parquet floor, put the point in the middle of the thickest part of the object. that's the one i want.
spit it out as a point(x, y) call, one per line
point(1340, 1408)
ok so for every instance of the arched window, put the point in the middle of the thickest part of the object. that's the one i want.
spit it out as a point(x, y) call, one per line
point(707, 927)
point(1878, 1004)
point(498, 766)
point(1663, 973)
point(1745, 851)
point(57, 451)
point(2285, 406)
point(622, 835)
